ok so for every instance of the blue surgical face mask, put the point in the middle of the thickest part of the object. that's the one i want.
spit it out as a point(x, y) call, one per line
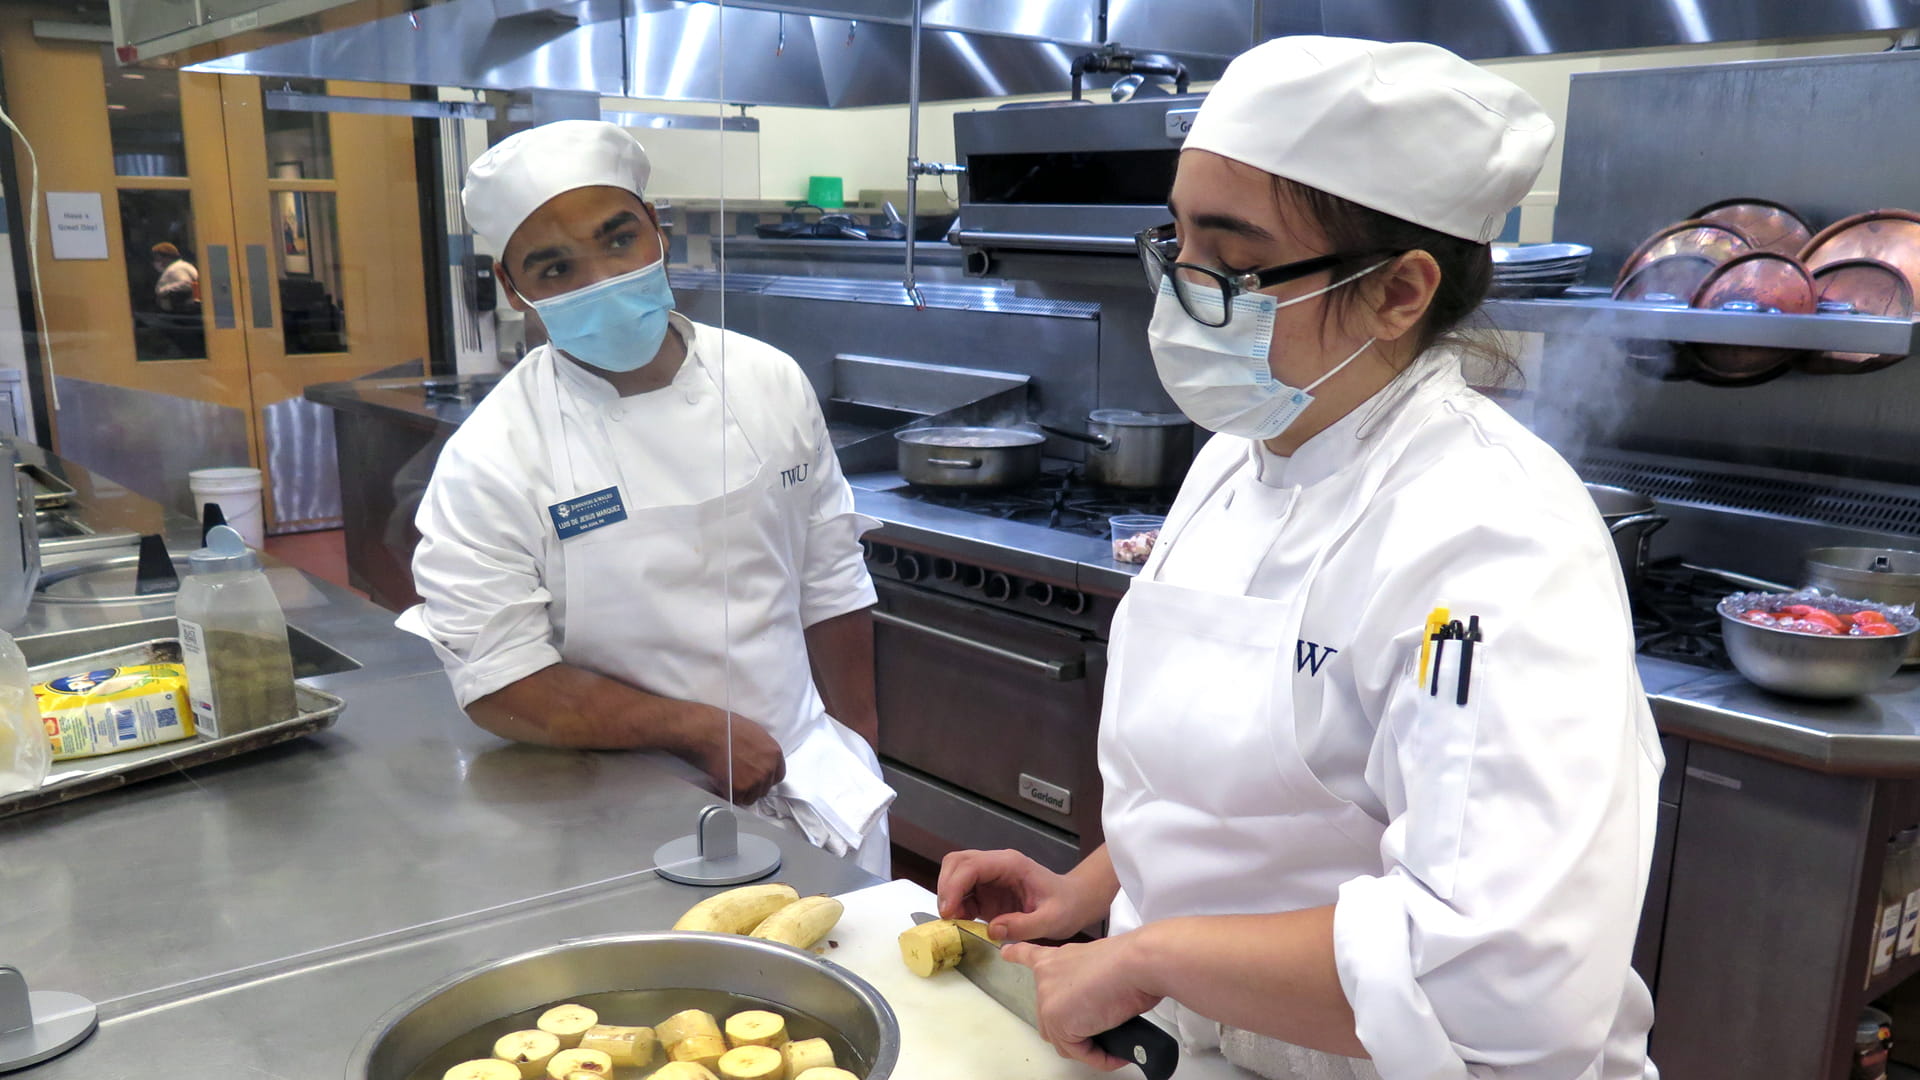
point(615, 325)
point(1219, 376)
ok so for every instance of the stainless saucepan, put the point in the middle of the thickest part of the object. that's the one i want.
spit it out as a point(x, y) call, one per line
point(1128, 449)
point(1631, 519)
point(969, 458)
point(1886, 575)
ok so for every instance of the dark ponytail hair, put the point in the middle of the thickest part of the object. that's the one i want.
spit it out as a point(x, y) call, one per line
point(1466, 272)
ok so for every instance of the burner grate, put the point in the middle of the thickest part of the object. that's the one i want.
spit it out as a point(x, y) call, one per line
point(1674, 616)
point(1060, 500)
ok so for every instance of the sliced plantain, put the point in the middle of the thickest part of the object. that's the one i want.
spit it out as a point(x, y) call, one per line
point(567, 1023)
point(566, 1063)
point(752, 1063)
point(803, 923)
point(706, 1050)
point(683, 1070)
point(529, 1051)
point(625, 1045)
point(807, 1054)
point(682, 1026)
point(931, 947)
point(737, 911)
point(756, 1027)
point(483, 1069)
point(825, 1074)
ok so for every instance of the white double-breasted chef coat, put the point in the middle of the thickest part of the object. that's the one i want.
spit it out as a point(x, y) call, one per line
point(728, 551)
point(1268, 743)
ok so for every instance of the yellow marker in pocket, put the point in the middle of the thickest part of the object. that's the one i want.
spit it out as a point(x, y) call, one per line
point(1436, 619)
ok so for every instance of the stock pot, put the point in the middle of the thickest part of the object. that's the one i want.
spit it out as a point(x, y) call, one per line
point(1631, 519)
point(1128, 449)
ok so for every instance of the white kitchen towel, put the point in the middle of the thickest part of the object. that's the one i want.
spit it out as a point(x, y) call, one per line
point(1278, 1060)
point(832, 790)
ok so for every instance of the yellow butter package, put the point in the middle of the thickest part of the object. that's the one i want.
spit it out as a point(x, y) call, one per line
point(114, 709)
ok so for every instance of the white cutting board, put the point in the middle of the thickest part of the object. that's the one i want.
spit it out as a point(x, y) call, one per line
point(950, 1029)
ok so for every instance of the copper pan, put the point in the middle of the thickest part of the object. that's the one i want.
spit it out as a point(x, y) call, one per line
point(1766, 224)
point(1707, 239)
point(1890, 236)
point(1858, 287)
point(1670, 280)
point(1759, 281)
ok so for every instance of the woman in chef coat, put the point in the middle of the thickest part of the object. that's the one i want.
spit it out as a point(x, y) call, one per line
point(643, 531)
point(1330, 838)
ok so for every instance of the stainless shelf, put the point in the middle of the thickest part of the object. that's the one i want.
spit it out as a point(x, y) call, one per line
point(1592, 312)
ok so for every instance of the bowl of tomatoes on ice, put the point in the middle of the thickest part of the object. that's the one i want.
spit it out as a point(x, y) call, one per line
point(1809, 644)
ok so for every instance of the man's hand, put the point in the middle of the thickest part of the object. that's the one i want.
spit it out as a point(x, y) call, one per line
point(756, 759)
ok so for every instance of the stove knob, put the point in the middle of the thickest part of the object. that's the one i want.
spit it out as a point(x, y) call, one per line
point(945, 569)
point(1072, 602)
point(971, 576)
point(1039, 592)
point(883, 555)
point(998, 586)
point(909, 567)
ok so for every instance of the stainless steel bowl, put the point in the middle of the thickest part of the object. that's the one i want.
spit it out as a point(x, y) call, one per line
point(465, 1006)
point(1811, 665)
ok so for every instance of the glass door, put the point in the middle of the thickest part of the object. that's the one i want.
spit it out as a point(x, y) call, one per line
point(150, 365)
point(326, 213)
point(234, 256)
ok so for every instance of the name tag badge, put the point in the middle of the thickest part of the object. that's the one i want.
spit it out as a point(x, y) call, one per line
point(587, 513)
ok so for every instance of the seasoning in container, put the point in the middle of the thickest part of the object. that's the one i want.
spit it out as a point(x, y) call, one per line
point(233, 638)
point(1872, 1043)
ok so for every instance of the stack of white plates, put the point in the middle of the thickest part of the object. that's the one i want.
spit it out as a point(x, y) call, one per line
point(1538, 269)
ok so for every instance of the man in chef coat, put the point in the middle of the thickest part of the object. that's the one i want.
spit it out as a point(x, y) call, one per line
point(643, 530)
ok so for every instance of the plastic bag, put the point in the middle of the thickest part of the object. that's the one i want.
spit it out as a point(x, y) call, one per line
point(25, 752)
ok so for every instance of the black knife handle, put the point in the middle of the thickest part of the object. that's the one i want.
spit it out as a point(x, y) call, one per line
point(1141, 1041)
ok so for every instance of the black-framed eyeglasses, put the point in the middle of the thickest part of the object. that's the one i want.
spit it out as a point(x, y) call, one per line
point(1206, 294)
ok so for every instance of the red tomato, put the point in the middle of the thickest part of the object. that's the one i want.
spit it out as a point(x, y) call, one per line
point(1809, 626)
point(1802, 610)
point(1827, 619)
point(1860, 618)
point(1875, 629)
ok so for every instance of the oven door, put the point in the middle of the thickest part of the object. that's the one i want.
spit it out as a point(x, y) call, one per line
point(999, 711)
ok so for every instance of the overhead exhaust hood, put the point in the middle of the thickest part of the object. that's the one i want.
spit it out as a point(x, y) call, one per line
point(822, 54)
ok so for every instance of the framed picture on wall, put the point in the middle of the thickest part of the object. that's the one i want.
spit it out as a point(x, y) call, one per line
point(290, 222)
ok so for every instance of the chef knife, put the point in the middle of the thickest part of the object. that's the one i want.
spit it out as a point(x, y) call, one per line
point(1138, 1040)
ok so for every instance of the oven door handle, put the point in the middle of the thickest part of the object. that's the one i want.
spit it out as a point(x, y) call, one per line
point(1057, 670)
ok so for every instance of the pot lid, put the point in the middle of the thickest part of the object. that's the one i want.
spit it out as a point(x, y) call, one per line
point(1880, 563)
point(970, 438)
point(1135, 418)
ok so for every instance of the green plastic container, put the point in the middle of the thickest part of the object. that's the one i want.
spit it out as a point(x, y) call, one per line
point(825, 192)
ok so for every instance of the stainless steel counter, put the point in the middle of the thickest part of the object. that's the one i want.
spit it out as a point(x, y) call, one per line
point(255, 916)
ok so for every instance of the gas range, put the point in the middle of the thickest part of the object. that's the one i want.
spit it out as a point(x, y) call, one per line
point(1061, 499)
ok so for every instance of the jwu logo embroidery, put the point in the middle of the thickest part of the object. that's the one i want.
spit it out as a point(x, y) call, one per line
point(1308, 656)
point(795, 475)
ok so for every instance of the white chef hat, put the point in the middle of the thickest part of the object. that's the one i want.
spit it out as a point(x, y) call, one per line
point(518, 174)
point(1408, 129)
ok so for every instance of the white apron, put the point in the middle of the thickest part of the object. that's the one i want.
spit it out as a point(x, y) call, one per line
point(701, 602)
point(1210, 807)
